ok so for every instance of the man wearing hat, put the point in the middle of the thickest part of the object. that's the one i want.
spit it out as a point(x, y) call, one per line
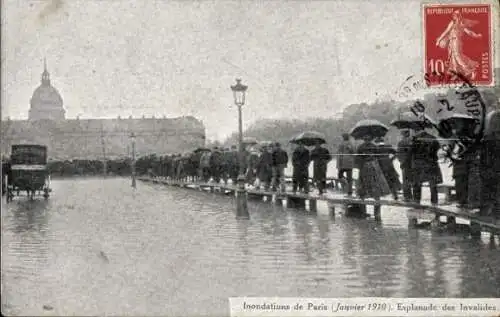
point(345, 161)
point(279, 163)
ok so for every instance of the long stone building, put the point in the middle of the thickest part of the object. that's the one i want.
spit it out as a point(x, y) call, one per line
point(100, 139)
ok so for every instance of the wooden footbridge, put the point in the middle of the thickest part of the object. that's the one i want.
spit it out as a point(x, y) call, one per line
point(335, 199)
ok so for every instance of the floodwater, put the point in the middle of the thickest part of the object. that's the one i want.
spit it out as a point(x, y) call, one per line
point(99, 247)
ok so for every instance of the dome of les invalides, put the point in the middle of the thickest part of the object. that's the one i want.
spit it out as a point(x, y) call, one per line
point(46, 102)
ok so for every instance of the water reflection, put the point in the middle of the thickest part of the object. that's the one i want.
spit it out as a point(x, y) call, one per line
point(29, 216)
point(303, 229)
point(416, 271)
point(380, 249)
point(167, 247)
point(480, 270)
point(438, 283)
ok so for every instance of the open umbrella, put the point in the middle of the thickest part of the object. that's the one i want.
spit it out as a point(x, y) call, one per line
point(409, 120)
point(249, 140)
point(370, 127)
point(449, 122)
point(309, 138)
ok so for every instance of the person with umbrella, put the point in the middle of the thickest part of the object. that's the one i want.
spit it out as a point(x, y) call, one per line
point(371, 181)
point(264, 167)
point(424, 153)
point(252, 160)
point(300, 162)
point(465, 162)
point(386, 154)
point(320, 157)
point(345, 161)
point(279, 163)
point(406, 122)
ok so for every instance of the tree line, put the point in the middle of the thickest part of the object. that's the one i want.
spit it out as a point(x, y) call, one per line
point(283, 130)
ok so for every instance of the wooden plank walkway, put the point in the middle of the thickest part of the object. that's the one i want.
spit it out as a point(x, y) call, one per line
point(480, 223)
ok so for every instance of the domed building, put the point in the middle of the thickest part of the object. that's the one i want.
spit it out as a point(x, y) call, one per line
point(101, 139)
point(46, 102)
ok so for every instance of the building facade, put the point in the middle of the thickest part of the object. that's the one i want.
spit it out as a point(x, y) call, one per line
point(69, 139)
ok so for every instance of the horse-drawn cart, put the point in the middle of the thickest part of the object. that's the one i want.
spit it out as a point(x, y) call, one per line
point(28, 172)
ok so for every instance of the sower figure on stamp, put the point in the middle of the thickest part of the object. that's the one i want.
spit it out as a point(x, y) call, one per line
point(405, 162)
point(300, 162)
point(452, 39)
point(490, 166)
point(345, 162)
point(320, 156)
point(424, 149)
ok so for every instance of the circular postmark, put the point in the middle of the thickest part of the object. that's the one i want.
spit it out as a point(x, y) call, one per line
point(458, 115)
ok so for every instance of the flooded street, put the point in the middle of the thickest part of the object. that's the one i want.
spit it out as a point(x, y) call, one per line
point(99, 247)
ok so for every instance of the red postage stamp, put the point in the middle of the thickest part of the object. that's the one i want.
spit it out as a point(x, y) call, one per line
point(458, 40)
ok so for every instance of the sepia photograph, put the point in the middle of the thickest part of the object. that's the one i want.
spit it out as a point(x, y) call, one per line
point(250, 158)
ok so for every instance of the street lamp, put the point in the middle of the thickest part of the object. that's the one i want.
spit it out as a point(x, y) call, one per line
point(239, 91)
point(132, 138)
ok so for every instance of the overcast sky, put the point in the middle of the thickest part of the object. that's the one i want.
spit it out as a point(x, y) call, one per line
point(299, 58)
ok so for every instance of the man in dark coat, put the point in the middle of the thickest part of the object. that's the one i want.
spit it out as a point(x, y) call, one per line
point(195, 165)
point(264, 167)
point(225, 165)
point(205, 169)
point(320, 156)
point(490, 166)
point(404, 157)
point(300, 162)
point(215, 164)
point(424, 151)
point(466, 166)
point(386, 154)
point(345, 161)
point(280, 161)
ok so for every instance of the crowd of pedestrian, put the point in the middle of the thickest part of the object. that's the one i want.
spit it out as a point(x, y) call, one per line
point(476, 171)
point(262, 165)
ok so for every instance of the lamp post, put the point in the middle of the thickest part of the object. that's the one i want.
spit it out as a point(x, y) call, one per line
point(132, 138)
point(239, 91)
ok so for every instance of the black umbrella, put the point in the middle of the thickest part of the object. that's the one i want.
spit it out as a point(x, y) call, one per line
point(409, 120)
point(309, 138)
point(370, 127)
